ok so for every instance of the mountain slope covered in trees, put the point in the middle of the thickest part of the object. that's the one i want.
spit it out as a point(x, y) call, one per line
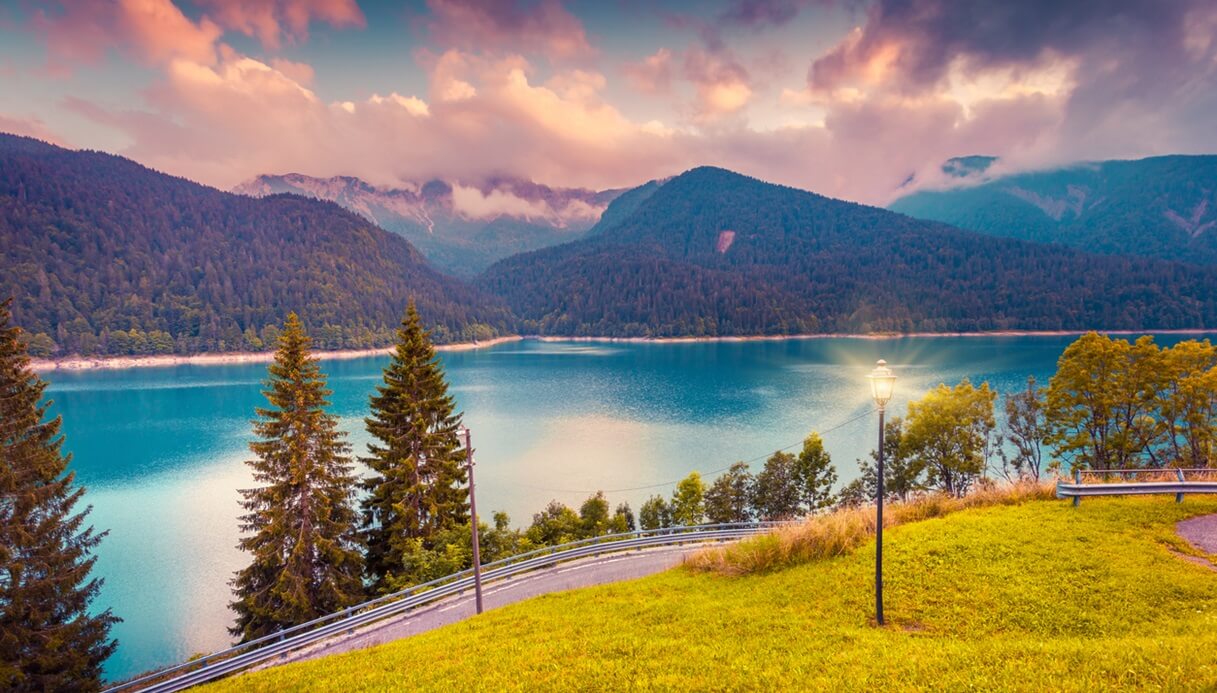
point(1163, 207)
point(104, 256)
point(711, 252)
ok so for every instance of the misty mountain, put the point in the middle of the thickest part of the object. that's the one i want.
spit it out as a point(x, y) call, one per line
point(712, 252)
point(461, 228)
point(104, 256)
point(1164, 207)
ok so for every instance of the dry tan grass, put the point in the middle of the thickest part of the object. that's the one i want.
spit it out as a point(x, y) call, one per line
point(843, 530)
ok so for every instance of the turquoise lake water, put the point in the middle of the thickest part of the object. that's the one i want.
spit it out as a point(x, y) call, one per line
point(161, 449)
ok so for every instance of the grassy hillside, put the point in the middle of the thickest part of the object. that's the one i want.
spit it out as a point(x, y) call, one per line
point(1034, 596)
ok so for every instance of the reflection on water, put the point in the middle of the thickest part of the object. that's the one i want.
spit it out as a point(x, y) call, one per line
point(161, 449)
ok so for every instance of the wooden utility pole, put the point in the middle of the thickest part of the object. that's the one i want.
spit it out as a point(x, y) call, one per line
point(473, 521)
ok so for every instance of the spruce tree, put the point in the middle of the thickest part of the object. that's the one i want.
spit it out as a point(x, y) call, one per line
point(48, 639)
point(302, 525)
point(418, 485)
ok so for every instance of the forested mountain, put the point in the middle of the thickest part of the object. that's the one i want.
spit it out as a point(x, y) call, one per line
point(104, 256)
point(461, 228)
point(1163, 207)
point(711, 252)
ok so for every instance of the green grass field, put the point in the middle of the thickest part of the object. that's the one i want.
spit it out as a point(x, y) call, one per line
point(1038, 596)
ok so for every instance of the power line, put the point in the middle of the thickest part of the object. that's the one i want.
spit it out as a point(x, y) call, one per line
point(711, 473)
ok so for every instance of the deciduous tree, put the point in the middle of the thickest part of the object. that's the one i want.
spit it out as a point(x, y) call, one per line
point(729, 498)
point(688, 501)
point(775, 495)
point(815, 474)
point(949, 432)
point(1025, 428)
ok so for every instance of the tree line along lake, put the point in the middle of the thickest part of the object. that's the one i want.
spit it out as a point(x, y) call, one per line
point(161, 450)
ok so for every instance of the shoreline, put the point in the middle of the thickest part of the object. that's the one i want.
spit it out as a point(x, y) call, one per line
point(88, 363)
point(869, 336)
point(83, 363)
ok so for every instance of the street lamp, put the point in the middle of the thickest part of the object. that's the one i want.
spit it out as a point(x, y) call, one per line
point(463, 431)
point(881, 381)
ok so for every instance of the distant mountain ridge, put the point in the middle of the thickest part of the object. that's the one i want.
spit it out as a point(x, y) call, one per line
point(715, 253)
point(104, 256)
point(461, 228)
point(1164, 207)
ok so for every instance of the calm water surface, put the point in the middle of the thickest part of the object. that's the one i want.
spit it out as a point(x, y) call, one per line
point(161, 449)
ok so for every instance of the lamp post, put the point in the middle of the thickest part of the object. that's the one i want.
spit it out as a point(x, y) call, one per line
point(881, 381)
point(473, 520)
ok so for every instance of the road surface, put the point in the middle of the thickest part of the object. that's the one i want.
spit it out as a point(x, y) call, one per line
point(596, 570)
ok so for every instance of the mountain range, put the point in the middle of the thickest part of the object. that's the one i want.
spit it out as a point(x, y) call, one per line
point(711, 252)
point(462, 228)
point(1164, 207)
point(104, 256)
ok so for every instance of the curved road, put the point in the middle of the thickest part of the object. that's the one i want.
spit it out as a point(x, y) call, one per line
point(597, 570)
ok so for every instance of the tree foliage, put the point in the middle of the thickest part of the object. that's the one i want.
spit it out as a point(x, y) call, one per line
point(815, 474)
point(301, 524)
point(104, 256)
point(729, 498)
point(776, 494)
point(1025, 430)
point(418, 482)
point(949, 434)
point(688, 506)
point(713, 253)
point(49, 640)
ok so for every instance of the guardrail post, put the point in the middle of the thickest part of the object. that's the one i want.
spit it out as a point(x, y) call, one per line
point(1077, 479)
point(1179, 496)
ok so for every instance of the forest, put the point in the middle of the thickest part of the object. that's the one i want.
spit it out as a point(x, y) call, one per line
point(714, 253)
point(104, 256)
point(1164, 207)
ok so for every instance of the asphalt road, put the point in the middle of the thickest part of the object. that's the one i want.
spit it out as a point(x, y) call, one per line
point(587, 572)
point(1201, 532)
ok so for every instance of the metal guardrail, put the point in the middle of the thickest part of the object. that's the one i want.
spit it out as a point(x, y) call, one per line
point(1179, 485)
point(248, 654)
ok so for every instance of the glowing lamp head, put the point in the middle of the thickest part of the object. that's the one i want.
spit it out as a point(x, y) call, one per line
point(882, 379)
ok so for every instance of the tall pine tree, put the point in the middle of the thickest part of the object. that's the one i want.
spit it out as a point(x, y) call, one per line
point(302, 525)
point(48, 639)
point(419, 484)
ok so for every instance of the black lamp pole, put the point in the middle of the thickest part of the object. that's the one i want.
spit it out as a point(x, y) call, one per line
point(879, 531)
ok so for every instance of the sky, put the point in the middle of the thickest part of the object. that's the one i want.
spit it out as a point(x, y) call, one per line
point(847, 98)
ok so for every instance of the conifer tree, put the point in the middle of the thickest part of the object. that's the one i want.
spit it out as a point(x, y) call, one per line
point(48, 640)
point(301, 524)
point(418, 486)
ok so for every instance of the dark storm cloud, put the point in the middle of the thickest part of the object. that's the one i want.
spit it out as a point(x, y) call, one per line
point(931, 34)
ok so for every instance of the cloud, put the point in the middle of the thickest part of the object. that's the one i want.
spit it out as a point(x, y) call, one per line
point(759, 13)
point(507, 26)
point(153, 31)
point(652, 74)
point(474, 203)
point(1130, 78)
point(270, 21)
point(722, 84)
point(157, 31)
point(29, 127)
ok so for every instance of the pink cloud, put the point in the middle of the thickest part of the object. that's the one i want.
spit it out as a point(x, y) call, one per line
point(29, 127)
point(722, 84)
point(543, 27)
point(272, 20)
point(652, 74)
point(154, 31)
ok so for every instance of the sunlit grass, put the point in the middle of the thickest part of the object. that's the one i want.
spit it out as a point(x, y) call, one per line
point(1034, 596)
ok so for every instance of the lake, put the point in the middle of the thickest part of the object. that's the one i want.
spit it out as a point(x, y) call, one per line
point(161, 450)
